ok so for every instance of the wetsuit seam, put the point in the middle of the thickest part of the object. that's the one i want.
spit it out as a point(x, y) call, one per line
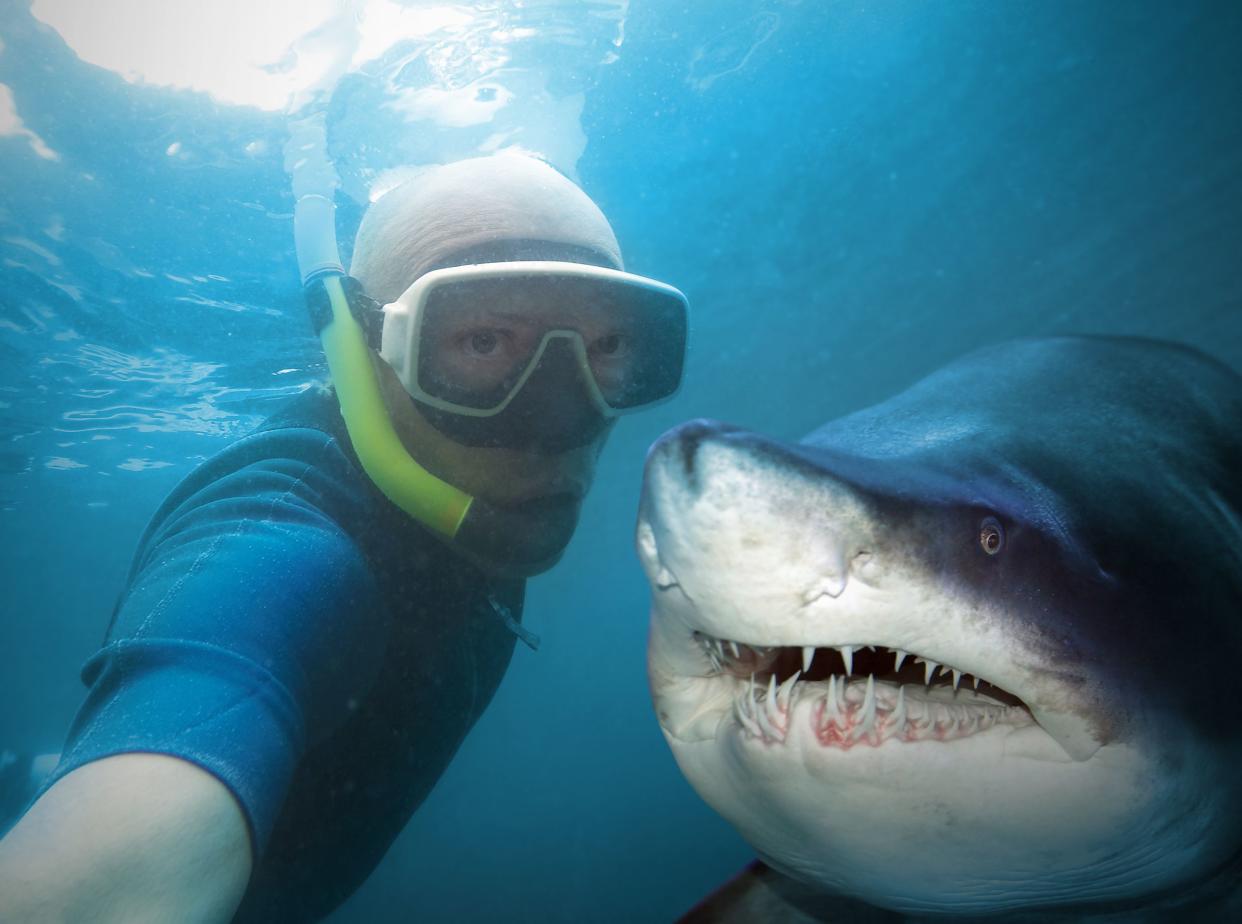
point(241, 527)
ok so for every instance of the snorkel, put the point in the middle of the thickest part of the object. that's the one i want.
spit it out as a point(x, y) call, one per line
point(431, 501)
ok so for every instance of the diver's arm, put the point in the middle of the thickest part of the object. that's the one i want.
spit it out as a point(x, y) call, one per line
point(129, 838)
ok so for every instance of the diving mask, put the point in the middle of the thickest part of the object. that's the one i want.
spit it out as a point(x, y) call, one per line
point(467, 340)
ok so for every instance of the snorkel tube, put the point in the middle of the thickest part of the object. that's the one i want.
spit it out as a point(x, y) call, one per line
point(432, 501)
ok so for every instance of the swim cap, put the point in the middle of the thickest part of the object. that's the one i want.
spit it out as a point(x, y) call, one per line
point(487, 209)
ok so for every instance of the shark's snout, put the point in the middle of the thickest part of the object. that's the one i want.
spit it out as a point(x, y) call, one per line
point(711, 485)
point(680, 447)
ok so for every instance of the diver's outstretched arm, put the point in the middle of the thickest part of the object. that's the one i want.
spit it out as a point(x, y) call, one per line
point(133, 838)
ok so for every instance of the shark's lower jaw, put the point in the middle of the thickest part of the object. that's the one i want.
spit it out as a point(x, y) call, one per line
point(855, 696)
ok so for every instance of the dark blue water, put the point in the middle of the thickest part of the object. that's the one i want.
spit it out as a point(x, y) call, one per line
point(849, 194)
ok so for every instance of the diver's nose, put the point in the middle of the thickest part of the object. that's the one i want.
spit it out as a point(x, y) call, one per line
point(555, 409)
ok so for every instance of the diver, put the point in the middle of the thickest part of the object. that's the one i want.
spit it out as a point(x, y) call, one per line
point(318, 615)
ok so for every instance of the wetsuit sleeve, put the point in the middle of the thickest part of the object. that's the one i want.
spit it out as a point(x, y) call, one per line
point(243, 634)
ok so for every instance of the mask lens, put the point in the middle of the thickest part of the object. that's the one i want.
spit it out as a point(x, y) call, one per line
point(479, 337)
point(636, 356)
point(475, 342)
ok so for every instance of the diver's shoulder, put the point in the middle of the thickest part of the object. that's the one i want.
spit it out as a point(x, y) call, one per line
point(306, 428)
point(295, 456)
point(316, 408)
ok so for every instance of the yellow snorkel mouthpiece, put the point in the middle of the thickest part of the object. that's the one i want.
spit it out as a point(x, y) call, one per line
point(432, 501)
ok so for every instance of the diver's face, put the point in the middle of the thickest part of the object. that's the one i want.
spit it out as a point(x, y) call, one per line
point(545, 489)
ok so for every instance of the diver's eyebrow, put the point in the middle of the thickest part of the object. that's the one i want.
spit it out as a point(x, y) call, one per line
point(521, 318)
point(512, 317)
point(489, 314)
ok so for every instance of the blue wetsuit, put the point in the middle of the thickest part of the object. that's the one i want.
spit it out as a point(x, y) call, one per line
point(293, 633)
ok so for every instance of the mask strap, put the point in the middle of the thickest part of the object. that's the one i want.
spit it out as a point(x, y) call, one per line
point(364, 309)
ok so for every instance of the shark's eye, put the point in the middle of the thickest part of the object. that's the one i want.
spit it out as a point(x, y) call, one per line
point(991, 535)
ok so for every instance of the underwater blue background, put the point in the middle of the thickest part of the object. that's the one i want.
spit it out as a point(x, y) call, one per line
point(850, 194)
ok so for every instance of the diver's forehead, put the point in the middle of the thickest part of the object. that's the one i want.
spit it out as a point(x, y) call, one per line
point(480, 248)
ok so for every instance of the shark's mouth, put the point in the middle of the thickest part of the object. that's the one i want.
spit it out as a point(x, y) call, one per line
point(858, 695)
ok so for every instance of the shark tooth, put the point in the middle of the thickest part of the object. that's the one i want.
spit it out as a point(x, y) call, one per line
point(832, 704)
point(847, 655)
point(897, 718)
point(866, 713)
point(808, 653)
point(929, 668)
point(746, 721)
point(784, 693)
point(770, 729)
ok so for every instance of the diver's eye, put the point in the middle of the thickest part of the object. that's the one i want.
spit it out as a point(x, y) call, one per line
point(610, 345)
point(991, 535)
point(483, 342)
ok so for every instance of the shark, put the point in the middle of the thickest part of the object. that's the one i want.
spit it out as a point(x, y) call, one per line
point(972, 652)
